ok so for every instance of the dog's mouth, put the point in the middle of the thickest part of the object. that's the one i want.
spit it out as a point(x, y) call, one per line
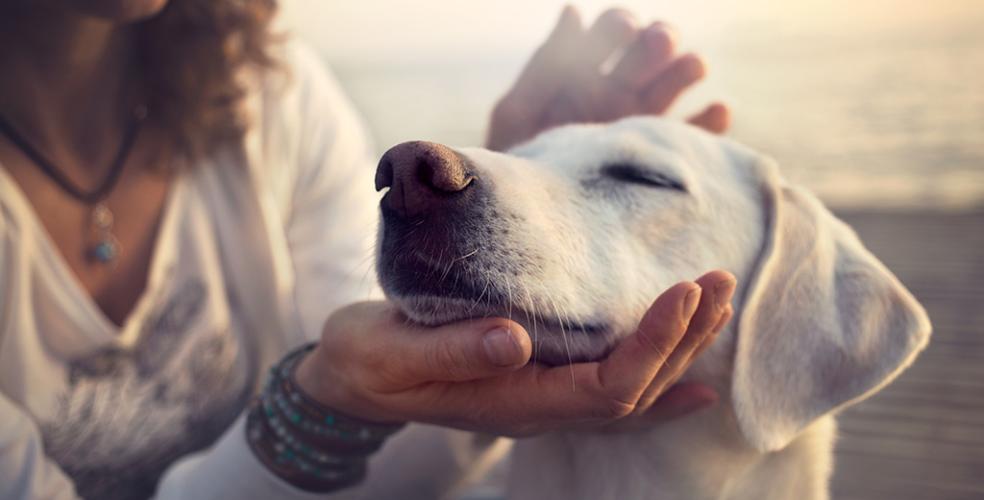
point(556, 339)
point(433, 295)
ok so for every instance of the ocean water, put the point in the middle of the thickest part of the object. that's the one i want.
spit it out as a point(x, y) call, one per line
point(893, 122)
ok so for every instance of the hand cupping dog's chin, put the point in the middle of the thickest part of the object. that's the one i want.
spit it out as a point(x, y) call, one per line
point(553, 345)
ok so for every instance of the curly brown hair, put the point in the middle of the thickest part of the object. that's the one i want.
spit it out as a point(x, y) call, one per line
point(191, 57)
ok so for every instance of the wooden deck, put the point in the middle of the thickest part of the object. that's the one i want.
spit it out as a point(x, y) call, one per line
point(923, 436)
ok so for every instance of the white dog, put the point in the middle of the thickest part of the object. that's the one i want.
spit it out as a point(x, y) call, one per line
point(575, 233)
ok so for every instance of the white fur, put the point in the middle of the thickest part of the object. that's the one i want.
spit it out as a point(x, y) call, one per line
point(819, 324)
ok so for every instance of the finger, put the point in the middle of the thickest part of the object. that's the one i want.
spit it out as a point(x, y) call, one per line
point(681, 73)
point(613, 29)
point(455, 352)
point(679, 400)
point(564, 109)
point(539, 82)
point(709, 341)
point(546, 70)
point(718, 287)
point(567, 30)
point(715, 118)
point(584, 82)
point(645, 58)
point(627, 371)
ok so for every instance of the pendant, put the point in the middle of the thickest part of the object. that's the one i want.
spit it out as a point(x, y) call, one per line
point(107, 247)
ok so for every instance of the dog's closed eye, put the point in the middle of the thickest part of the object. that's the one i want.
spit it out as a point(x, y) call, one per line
point(635, 174)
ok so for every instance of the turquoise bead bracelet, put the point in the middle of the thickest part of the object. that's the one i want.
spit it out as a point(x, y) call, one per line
point(304, 442)
point(320, 420)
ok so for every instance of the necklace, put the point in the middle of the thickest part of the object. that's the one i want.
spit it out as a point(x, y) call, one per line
point(104, 247)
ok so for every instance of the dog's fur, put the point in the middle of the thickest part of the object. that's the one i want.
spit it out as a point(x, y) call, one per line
point(575, 233)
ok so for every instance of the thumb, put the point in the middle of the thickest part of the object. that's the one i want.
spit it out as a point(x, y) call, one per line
point(466, 350)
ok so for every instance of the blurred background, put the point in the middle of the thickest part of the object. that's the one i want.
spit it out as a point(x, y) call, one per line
point(877, 105)
point(870, 102)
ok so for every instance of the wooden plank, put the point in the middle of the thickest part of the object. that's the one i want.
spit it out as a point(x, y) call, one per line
point(923, 436)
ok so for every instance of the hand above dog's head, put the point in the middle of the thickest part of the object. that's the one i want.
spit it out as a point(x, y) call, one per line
point(574, 233)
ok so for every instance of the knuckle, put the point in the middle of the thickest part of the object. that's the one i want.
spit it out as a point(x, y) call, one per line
point(446, 358)
point(655, 344)
point(677, 366)
point(615, 407)
point(681, 325)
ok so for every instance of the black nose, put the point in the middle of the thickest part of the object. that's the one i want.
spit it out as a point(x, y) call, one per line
point(423, 177)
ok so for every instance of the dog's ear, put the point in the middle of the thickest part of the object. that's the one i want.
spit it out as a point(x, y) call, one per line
point(823, 323)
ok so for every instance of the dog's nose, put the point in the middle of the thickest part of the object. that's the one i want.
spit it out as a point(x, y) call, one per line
point(422, 177)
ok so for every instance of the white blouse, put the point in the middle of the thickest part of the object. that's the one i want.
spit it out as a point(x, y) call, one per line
point(257, 246)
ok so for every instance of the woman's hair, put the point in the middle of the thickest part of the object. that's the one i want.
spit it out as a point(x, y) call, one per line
point(192, 55)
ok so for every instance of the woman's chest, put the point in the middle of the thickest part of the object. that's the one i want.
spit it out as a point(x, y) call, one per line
point(122, 416)
point(126, 223)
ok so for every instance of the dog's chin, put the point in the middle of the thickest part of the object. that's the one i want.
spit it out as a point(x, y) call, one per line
point(555, 341)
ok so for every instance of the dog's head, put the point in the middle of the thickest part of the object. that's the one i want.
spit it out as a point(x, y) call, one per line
point(575, 233)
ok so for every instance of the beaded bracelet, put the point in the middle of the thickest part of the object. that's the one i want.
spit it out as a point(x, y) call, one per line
point(302, 441)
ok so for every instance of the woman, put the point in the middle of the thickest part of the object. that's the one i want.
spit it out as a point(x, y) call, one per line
point(184, 199)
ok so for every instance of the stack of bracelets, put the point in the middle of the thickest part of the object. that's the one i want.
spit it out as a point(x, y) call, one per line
point(308, 445)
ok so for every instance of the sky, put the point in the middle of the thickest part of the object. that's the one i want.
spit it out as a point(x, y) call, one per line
point(388, 29)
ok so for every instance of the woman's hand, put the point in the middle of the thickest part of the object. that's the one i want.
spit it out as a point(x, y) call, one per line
point(476, 375)
point(564, 83)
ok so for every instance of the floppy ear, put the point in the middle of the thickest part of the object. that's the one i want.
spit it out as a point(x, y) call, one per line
point(824, 323)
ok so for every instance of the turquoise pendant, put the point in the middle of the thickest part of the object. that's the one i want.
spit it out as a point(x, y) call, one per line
point(104, 251)
point(107, 248)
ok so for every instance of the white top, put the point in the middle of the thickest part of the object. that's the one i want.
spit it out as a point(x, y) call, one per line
point(257, 246)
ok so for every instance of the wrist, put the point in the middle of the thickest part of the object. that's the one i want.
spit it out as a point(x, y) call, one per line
point(322, 386)
point(305, 442)
point(309, 379)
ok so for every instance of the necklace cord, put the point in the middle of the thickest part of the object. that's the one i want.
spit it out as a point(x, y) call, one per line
point(93, 196)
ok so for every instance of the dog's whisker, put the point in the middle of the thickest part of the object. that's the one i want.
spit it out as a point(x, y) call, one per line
point(465, 256)
point(478, 301)
point(531, 308)
point(509, 298)
point(488, 299)
point(447, 270)
point(567, 345)
point(569, 357)
point(368, 263)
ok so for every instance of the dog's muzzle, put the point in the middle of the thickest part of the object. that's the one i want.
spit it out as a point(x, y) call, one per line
point(436, 209)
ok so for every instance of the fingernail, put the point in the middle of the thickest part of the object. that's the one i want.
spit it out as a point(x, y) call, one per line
point(723, 292)
point(501, 347)
point(690, 302)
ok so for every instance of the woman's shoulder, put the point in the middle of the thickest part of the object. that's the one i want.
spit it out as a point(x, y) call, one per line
point(302, 90)
point(304, 126)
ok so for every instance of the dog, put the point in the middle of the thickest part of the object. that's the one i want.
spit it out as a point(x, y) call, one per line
point(574, 233)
